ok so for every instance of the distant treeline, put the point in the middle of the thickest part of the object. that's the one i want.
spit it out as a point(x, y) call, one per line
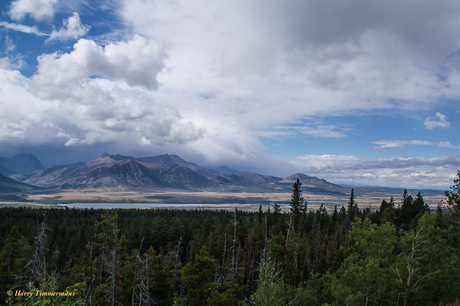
point(400, 254)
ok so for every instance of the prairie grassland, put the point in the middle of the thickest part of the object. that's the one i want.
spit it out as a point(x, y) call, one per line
point(223, 200)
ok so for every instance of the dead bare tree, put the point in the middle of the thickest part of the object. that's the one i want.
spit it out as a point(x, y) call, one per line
point(414, 266)
point(265, 250)
point(289, 230)
point(92, 277)
point(177, 251)
point(37, 265)
point(107, 238)
point(235, 252)
point(137, 265)
point(224, 254)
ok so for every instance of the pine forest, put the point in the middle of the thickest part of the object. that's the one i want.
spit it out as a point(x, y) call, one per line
point(400, 254)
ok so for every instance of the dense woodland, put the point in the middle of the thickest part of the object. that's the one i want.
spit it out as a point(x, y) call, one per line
point(400, 254)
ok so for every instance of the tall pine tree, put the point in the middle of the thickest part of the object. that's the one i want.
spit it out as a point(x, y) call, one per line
point(296, 201)
point(352, 211)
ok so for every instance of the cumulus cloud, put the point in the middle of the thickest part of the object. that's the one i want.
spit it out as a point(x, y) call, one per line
point(72, 29)
point(22, 28)
point(302, 59)
point(38, 9)
point(431, 123)
point(100, 112)
point(91, 96)
point(399, 144)
point(417, 172)
point(137, 62)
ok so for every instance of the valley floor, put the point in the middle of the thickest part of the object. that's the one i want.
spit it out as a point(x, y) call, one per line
point(365, 197)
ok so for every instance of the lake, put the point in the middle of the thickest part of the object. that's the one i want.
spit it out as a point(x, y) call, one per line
point(131, 205)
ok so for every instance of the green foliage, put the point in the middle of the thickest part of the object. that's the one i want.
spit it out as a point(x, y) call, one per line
point(453, 197)
point(364, 277)
point(270, 288)
point(296, 201)
point(198, 278)
point(12, 261)
point(392, 256)
point(352, 209)
point(423, 263)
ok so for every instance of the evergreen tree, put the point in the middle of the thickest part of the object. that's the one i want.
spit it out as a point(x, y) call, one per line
point(296, 201)
point(303, 221)
point(110, 248)
point(198, 278)
point(352, 209)
point(386, 212)
point(419, 204)
point(411, 208)
point(12, 262)
point(335, 214)
point(260, 214)
point(276, 210)
point(342, 214)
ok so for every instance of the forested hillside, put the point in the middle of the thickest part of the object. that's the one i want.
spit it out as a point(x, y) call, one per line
point(400, 254)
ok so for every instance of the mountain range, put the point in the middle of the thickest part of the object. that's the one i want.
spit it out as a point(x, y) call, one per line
point(8, 184)
point(164, 172)
point(21, 163)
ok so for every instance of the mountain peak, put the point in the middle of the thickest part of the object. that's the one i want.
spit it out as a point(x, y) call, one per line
point(21, 163)
point(103, 159)
point(302, 177)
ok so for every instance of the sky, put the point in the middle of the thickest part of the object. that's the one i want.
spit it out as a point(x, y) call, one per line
point(356, 92)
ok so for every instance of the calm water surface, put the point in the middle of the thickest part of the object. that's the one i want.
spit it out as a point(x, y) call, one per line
point(130, 205)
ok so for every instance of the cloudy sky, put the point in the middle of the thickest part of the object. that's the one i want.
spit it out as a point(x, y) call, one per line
point(356, 92)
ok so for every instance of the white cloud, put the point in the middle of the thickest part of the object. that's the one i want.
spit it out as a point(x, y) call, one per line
point(38, 9)
point(11, 62)
point(431, 123)
point(399, 144)
point(318, 130)
point(19, 110)
point(232, 71)
point(99, 112)
point(69, 107)
point(292, 64)
point(72, 28)
point(144, 141)
point(414, 172)
point(22, 28)
point(336, 163)
point(137, 62)
point(328, 160)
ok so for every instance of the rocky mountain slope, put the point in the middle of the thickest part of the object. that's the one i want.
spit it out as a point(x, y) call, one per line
point(9, 185)
point(115, 171)
point(163, 172)
point(21, 163)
